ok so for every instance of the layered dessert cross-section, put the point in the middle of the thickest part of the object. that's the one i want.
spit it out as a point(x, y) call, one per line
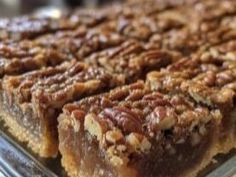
point(135, 132)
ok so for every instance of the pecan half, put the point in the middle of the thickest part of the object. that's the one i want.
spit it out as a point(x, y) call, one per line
point(127, 120)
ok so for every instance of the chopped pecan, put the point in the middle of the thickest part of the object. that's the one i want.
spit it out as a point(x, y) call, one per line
point(117, 155)
point(138, 142)
point(161, 118)
point(114, 136)
point(95, 126)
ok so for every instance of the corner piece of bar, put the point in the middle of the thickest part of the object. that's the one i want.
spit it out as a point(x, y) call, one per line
point(30, 103)
point(133, 131)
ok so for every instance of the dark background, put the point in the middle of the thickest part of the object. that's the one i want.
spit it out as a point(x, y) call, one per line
point(9, 8)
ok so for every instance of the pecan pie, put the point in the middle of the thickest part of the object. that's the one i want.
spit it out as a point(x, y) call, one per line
point(30, 103)
point(133, 131)
point(209, 79)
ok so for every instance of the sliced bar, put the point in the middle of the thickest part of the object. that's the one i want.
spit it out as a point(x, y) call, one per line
point(30, 103)
point(210, 80)
point(135, 132)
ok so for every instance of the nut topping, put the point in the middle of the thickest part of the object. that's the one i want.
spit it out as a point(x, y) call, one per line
point(95, 126)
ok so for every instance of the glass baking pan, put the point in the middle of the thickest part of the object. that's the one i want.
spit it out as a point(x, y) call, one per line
point(16, 160)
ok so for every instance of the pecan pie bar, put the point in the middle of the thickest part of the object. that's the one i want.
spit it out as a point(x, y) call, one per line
point(209, 80)
point(30, 103)
point(108, 51)
point(80, 43)
point(135, 132)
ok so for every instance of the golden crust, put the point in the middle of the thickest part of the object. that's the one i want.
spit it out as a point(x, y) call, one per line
point(40, 147)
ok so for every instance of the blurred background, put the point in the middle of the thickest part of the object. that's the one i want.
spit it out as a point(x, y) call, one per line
point(9, 8)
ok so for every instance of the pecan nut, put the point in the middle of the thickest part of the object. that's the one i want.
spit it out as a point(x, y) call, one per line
point(127, 120)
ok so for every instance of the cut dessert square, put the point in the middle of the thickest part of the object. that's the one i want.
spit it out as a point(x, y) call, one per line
point(143, 27)
point(105, 50)
point(108, 51)
point(210, 80)
point(189, 42)
point(135, 132)
point(30, 103)
point(202, 12)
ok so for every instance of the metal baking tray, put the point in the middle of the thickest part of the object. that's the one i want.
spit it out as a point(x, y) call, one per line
point(16, 160)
